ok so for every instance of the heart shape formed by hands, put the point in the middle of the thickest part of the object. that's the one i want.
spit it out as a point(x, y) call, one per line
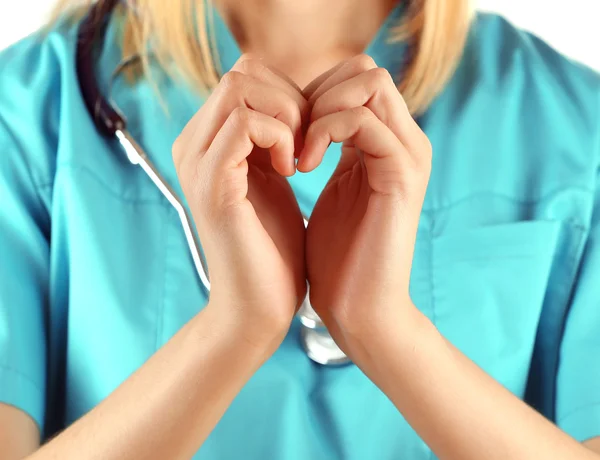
point(232, 159)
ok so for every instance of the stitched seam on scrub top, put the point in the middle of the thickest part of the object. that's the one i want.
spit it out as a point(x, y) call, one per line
point(20, 374)
point(593, 406)
point(34, 183)
point(93, 174)
point(471, 196)
point(515, 200)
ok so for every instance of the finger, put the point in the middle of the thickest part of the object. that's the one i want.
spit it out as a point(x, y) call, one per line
point(376, 90)
point(313, 85)
point(240, 90)
point(212, 117)
point(257, 68)
point(358, 125)
point(348, 69)
point(384, 155)
point(245, 129)
point(273, 76)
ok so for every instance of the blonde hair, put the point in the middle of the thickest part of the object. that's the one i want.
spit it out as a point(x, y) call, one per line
point(176, 31)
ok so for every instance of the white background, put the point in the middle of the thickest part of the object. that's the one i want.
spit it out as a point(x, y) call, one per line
point(572, 26)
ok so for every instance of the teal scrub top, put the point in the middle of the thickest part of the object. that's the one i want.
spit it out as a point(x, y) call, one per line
point(95, 273)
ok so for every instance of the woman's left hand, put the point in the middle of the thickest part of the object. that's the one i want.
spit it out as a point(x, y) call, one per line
point(359, 250)
point(361, 234)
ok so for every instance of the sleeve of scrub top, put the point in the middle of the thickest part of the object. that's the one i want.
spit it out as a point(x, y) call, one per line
point(578, 380)
point(24, 268)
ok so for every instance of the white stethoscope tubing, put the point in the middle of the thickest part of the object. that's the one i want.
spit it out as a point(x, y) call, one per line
point(316, 341)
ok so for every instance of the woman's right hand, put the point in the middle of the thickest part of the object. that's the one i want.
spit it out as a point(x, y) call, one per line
point(231, 160)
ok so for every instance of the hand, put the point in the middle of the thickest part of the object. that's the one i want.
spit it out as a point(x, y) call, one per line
point(231, 160)
point(361, 234)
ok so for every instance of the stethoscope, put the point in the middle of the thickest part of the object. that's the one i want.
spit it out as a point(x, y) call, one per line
point(111, 123)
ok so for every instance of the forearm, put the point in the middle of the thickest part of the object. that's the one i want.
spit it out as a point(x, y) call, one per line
point(170, 405)
point(459, 410)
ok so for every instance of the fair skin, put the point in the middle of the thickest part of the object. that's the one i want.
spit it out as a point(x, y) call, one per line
point(248, 213)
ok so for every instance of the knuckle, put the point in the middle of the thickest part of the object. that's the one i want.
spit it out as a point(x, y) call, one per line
point(292, 113)
point(241, 117)
point(380, 76)
point(287, 137)
point(315, 129)
point(427, 147)
point(251, 67)
point(426, 155)
point(362, 113)
point(177, 150)
point(364, 62)
point(424, 149)
point(232, 79)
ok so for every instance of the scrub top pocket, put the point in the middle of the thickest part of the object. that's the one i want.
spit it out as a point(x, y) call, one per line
point(488, 286)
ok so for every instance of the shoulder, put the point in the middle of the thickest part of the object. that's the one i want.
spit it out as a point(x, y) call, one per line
point(506, 48)
point(518, 119)
point(515, 89)
point(36, 74)
point(506, 59)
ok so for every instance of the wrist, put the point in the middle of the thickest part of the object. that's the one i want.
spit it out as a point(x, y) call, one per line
point(393, 338)
point(374, 326)
point(249, 336)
